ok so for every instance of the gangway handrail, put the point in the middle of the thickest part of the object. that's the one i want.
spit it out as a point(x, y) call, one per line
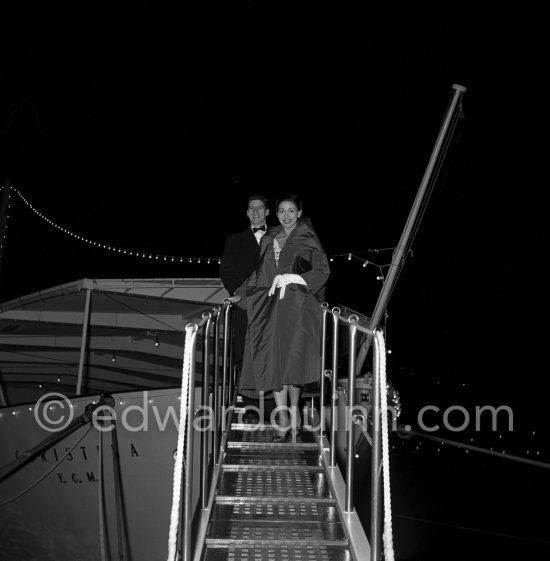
point(352, 415)
point(208, 326)
point(223, 400)
point(353, 321)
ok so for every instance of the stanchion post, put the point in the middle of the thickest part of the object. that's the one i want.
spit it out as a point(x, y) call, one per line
point(334, 387)
point(226, 338)
point(322, 374)
point(215, 384)
point(205, 408)
point(350, 424)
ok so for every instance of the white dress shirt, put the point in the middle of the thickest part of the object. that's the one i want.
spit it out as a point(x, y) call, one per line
point(258, 235)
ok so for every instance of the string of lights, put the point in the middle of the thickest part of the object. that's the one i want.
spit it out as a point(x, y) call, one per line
point(114, 248)
point(190, 259)
point(365, 261)
point(4, 215)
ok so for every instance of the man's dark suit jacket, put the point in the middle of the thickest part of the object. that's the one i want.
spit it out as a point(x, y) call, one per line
point(238, 261)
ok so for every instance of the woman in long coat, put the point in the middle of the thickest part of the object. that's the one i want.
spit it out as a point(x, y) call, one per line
point(282, 298)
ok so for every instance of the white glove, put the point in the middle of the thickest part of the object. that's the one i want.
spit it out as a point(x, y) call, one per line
point(280, 281)
point(234, 299)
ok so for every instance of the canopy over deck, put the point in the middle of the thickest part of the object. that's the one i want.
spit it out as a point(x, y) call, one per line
point(41, 335)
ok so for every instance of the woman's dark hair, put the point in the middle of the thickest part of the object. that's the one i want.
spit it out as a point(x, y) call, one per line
point(289, 197)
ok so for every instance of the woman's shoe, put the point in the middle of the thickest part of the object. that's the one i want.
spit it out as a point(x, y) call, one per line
point(297, 433)
point(280, 436)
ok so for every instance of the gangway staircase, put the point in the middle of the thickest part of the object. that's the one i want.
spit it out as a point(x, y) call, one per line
point(275, 501)
point(285, 501)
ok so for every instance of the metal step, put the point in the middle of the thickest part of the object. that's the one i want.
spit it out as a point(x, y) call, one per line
point(225, 531)
point(261, 435)
point(273, 502)
point(267, 552)
point(276, 510)
point(289, 456)
point(275, 483)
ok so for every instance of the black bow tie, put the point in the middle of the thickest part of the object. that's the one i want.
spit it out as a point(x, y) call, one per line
point(262, 228)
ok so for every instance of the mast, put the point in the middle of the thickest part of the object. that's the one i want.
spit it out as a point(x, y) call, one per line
point(379, 309)
point(400, 250)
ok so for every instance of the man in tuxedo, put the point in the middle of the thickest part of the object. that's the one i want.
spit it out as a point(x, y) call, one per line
point(238, 261)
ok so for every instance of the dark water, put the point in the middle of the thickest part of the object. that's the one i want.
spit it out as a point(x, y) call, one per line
point(452, 504)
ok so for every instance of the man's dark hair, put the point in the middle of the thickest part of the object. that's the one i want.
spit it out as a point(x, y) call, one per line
point(257, 197)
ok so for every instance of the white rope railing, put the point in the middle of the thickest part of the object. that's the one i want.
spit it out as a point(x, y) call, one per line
point(388, 533)
point(178, 465)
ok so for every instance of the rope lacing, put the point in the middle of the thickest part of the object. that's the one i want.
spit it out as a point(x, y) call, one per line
point(178, 466)
point(388, 534)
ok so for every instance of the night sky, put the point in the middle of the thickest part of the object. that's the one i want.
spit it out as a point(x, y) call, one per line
point(145, 127)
